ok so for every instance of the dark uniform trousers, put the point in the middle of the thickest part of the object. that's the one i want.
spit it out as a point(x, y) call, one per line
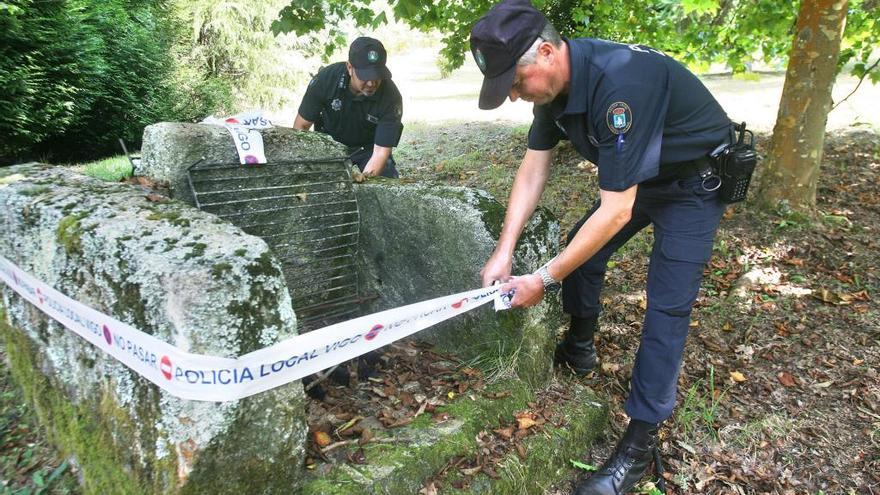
point(685, 219)
point(360, 156)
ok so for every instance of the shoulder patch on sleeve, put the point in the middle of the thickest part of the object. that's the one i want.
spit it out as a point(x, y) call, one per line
point(619, 117)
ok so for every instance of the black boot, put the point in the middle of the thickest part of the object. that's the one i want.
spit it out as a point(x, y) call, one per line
point(630, 461)
point(576, 349)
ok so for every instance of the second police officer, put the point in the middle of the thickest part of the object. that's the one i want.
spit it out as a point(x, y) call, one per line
point(358, 105)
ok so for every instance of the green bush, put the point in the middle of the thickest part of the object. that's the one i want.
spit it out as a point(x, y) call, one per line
point(77, 75)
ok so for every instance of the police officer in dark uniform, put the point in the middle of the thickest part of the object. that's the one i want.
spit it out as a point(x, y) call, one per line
point(649, 125)
point(357, 104)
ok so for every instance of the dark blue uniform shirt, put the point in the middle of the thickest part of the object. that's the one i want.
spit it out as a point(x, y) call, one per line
point(630, 109)
point(355, 121)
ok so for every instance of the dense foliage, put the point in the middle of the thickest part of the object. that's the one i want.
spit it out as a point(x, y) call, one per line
point(77, 75)
point(698, 32)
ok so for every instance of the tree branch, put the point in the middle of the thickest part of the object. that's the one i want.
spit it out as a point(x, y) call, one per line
point(864, 75)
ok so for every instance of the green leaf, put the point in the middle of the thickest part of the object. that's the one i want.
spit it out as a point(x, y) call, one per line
point(581, 465)
point(56, 473)
point(699, 6)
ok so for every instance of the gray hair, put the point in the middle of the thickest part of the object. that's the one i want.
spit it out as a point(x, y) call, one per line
point(548, 34)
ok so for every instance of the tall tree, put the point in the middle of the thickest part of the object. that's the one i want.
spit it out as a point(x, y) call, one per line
point(792, 165)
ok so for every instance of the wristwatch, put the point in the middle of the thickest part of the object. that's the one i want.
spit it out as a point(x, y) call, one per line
point(550, 284)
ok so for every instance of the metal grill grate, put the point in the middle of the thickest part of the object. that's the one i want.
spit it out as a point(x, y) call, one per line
point(307, 213)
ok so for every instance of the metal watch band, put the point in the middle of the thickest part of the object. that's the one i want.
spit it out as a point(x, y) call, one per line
point(546, 277)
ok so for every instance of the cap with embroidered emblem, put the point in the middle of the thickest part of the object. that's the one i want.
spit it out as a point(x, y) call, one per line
point(368, 57)
point(498, 40)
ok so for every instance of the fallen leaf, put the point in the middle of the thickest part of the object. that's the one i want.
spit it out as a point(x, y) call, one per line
point(861, 295)
point(525, 422)
point(687, 447)
point(366, 436)
point(781, 329)
point(610, 368)
point(471, 471)
point(786, 379)
point(322, 439)
point(505, 433)
point(737, 376)
point(694, 324)
point(157, 198)
point(357, 457)
point(429, 489)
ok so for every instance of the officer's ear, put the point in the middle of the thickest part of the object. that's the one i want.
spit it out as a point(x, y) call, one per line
point(547, 51)
point(350, 68)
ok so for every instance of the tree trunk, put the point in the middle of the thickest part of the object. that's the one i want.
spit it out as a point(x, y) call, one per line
point(796, 148)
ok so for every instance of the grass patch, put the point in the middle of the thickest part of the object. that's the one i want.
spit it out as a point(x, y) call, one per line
point(111, 169)
point(770, 428)
point(747, 76)
point(698, 413)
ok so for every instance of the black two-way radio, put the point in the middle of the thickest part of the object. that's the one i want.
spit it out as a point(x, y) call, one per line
point(736, 164)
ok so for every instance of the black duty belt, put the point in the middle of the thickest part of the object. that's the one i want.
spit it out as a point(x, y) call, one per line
point(700, 167)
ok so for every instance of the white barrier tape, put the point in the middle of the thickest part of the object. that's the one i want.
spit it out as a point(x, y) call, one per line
point(209, 378)
point(245, 134)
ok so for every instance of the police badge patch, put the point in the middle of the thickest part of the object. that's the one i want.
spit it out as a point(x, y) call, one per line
point(373, 56)
point(618, 117)
point(336, 104)
point(480, 60)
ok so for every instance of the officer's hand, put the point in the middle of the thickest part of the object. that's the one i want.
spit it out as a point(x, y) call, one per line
point(529, 290)
point(497, 268)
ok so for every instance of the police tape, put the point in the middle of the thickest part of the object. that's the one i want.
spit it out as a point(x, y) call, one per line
point(209, 378)
point(245, 131)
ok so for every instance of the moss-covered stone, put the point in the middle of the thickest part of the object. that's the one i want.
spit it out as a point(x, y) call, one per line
point(87, 239)
point(69, 232)
point(75, 428)
point(171, 148)
point(421, 241)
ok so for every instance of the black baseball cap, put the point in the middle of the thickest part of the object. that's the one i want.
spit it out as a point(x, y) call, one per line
point(498, 40)
point(368, 56)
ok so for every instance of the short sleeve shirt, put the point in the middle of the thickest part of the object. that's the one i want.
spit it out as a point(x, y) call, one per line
point(352, 120)
point(630, 109)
